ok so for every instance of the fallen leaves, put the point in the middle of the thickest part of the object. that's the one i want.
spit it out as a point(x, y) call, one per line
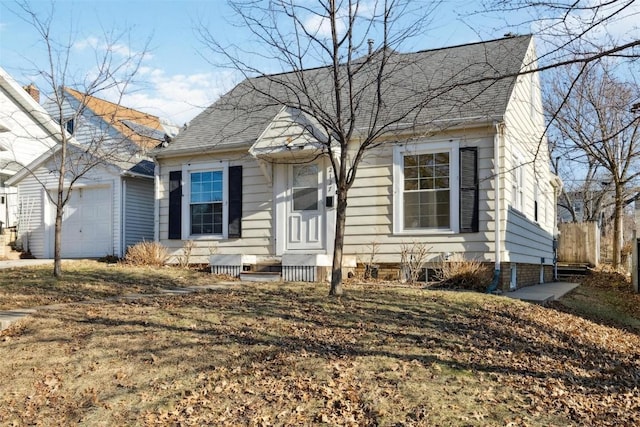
point(286, 355)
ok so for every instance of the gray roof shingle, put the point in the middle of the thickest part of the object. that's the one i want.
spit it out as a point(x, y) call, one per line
point(466, 83)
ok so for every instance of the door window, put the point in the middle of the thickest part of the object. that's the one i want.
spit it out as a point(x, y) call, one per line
point(305, 187)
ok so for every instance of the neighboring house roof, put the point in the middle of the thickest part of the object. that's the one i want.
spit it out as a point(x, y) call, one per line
point(131, 165)
point(434, 88)
point(145, 130)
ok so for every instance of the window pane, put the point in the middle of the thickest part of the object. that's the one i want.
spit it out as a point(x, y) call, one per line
point(410, 172)
point(411, 184)
point(305, 199)
point(426, 184)
point(206, 187)
point(206, 218)
point(410, 161)
point(305, 187)
point(305, 176)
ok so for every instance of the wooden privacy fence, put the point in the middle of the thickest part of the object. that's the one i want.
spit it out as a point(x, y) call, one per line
point(579, 242)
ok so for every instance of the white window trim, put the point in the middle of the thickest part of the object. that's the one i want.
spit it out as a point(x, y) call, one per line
point(426, 147)
point(518, 182)
point(187, 170)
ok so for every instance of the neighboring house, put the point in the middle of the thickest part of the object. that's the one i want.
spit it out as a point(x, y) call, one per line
point(252, 187)
point(96, 121)
point(25, 134)
point(112, 206)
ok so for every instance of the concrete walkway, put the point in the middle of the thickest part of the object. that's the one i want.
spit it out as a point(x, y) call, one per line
point(543, 293)
point(16, 263)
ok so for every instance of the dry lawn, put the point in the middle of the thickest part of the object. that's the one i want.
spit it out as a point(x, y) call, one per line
point(284, 355)
point(88, 280)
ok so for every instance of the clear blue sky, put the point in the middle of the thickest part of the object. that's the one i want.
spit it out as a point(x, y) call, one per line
point(176, 82)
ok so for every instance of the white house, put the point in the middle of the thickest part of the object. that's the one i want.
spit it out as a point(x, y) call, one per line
point(25, 133)
point(467, 173)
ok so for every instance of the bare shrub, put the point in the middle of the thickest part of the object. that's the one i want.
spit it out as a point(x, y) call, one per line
point(370, 266)
point(458, 272)
point(147, 253)
point(185, 259)
point(413, 258)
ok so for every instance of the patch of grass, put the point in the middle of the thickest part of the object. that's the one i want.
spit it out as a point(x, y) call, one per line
point(87, 280)
point(605, 297)
point(286, 354)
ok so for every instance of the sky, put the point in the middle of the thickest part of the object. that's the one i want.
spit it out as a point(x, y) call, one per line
point(178, 77)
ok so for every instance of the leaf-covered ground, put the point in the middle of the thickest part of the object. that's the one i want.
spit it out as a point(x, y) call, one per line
point(289, 355)
point(86, 280)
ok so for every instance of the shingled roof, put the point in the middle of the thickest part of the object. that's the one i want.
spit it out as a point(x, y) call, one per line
point(145, 130)
point(470, 83)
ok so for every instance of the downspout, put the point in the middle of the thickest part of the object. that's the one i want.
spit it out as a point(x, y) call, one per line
point(156, 202)
point(123, 217)
point(497, 139)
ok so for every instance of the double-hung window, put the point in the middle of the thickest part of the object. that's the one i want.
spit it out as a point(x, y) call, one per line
point(426, 188)
point(205, 201)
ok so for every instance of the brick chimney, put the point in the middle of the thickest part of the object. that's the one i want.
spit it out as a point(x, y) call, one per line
point(33, 91)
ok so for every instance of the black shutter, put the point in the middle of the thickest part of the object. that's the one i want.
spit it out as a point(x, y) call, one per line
point(469, 222)
point(175, 205)
point(235, 202)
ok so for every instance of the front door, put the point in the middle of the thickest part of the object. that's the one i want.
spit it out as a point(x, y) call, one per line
point(305, 207)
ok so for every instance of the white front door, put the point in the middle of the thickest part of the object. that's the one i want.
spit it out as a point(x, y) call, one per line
point(305, 207)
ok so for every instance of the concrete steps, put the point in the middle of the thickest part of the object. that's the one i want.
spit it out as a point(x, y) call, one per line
point(568, 270)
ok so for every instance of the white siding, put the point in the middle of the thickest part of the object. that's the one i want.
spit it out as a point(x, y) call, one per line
point(369, 212)
point(257, 211)
point(22, 137)
point(138, 211)
point(527, 240)
point(370, 208)
point(25, 139)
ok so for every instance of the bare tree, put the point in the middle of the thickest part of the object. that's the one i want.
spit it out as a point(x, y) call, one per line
point(356, 92)
point(599, 128)
point(115, 68)
point(575, 30)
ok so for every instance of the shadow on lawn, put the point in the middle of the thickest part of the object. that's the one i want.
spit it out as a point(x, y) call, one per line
point(463, 336)
point(35, 286)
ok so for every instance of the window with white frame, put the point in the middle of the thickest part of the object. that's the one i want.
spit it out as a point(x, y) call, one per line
point(426, 188)
point(517, 182)
point(536, 202)
point(205, 202)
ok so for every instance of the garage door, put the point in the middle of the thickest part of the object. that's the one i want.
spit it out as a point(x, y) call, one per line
point(87, 223)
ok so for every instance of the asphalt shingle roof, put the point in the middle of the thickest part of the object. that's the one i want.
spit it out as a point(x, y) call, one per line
point(145, 130)
point(466, 83)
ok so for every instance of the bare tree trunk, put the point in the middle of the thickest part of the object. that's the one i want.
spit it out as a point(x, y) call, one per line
point(617, 227)
point(57, 260)
point(341, 217)
point(57, 240)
